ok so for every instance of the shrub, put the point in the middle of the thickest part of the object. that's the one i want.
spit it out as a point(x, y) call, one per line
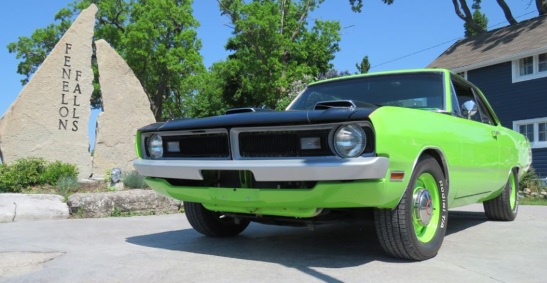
point(57, 170)
point(26, 172)
point(529, 180)
point(67, 185)
point(22, 173)
point(134, 180)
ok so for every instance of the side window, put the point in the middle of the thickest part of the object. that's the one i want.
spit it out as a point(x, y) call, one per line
point(465, 93)
point(486, 117)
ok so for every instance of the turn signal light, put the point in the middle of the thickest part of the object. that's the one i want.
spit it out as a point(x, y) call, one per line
point(397, 176)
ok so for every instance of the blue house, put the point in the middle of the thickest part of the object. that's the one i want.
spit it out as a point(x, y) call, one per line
point(510, 66)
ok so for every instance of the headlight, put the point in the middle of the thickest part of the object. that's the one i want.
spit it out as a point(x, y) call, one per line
point(155, 146)
point(350, 141)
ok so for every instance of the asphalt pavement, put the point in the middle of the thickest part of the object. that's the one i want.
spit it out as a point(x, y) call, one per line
point(166, 249)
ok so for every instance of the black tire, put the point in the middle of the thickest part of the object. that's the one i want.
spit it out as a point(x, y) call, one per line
point(505, 206)
point(406, 232)
point(213, 224)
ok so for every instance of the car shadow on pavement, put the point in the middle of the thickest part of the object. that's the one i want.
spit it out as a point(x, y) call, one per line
point(328, 246)
point(462, 220)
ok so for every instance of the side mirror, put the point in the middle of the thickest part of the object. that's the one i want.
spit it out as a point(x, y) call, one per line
point(469, 108)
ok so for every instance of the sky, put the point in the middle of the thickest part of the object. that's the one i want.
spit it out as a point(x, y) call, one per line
point(407, 34)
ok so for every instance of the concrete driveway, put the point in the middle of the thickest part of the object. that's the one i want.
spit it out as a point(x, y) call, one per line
point(166, 249)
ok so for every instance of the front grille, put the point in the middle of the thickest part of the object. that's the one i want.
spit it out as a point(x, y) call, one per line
point(197, 146)
point(249, 143)
point(282, 144)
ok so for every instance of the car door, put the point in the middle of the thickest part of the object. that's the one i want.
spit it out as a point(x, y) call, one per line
point(477, 170)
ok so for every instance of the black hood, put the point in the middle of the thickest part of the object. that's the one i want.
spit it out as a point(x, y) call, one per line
point(269, 118)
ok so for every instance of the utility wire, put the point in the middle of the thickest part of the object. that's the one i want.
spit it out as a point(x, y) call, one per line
point(440, 44)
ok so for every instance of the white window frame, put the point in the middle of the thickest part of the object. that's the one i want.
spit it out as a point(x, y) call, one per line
point(536, 74)
point(536, 143)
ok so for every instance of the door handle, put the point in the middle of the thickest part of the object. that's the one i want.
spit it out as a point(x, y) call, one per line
point(495, 134)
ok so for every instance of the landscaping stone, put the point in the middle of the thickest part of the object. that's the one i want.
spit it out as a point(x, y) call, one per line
point(50, 117)
point(126, 108)
point(23, 207)
point(135, 201)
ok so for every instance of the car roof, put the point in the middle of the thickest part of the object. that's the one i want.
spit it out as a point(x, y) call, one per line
point(394, 72)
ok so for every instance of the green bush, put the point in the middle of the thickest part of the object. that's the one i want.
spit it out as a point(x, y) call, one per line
point(26, 172)
point(67, 185)
point(529, 180)
point(22, 173)
point(57, 170)
point(134, 180)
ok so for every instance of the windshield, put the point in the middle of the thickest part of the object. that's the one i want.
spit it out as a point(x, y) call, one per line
point(412, 90)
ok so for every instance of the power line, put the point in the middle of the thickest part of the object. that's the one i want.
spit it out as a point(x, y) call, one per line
point(440, 44)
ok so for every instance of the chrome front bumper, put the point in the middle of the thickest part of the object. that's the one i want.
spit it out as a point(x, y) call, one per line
point(270, 170)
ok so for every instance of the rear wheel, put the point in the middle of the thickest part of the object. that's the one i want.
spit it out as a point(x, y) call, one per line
point(415, 229)
point(213, 224)
point(505, 206)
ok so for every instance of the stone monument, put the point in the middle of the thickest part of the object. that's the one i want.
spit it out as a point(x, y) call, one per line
point(50, 117)
point(125, 109)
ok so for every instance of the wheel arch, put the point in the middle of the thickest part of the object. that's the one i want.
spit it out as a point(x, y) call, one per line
point(439, 156)
point(517, 171)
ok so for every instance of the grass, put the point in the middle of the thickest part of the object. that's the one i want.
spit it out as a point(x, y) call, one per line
point(116, 212)
point(532, 201)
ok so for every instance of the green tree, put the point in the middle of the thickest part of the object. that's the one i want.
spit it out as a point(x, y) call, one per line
point(364, 66)
point(157, 38)
point(272, 47)
point(211, 86)
point(480, 19)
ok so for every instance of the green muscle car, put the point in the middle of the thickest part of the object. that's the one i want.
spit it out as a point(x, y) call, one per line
point(408, 145)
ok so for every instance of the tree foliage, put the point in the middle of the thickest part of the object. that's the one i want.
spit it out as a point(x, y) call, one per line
point(479, 18)
point(357, 5)
point(364, 66)
point(157, 38)
point(273, 46)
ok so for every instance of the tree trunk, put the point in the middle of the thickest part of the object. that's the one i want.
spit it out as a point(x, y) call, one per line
point(507, 12)
point(158, 102)
point(542, 7)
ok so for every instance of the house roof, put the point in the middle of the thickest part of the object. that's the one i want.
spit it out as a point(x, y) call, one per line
point(496, 46)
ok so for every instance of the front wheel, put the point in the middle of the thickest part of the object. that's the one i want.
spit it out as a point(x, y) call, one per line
point(213, 224)
point(505, 206)
point(415, 229)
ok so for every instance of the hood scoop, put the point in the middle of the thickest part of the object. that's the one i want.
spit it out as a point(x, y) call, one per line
point(343, 104)
point(246, 110)
point(324, 105)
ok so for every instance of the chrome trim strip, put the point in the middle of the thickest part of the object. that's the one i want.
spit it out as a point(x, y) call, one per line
point(332, 169)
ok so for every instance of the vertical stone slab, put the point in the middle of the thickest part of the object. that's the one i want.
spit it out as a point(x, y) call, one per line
point(126, 109)
point(50, 116)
